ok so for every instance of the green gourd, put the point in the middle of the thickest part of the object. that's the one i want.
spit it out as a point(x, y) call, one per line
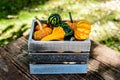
point(54, 19)
point(67, 29)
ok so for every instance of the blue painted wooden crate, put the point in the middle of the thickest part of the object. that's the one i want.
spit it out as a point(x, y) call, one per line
point(58, 57)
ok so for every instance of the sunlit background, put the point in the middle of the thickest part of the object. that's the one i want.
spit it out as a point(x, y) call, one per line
point(16, 17)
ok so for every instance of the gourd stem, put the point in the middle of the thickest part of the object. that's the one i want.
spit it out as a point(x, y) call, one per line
point(39, 23)
point(70, 17)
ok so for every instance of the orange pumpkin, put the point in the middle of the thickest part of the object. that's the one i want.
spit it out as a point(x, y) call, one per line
point(82, 30)
point(72, 25)
point(38, 35)
point(37, 27)
point(42, 30)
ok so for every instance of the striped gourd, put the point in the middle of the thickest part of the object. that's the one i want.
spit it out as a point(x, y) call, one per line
point(67, 29)
point(54, 19)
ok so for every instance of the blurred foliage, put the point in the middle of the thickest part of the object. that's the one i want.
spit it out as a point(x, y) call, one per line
point(13, 7)
point(13, 35)
point(112, 42)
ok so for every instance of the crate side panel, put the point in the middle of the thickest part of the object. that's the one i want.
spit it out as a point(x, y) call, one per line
point(60, 45)
point(58, 58)
point(58, 69)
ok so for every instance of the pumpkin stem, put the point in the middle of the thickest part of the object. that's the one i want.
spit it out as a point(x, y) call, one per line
point(70, 17)
point(39, 23)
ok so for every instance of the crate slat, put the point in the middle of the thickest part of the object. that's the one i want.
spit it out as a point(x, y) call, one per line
point(38, 58)
point(59, 45)
point(58, 68)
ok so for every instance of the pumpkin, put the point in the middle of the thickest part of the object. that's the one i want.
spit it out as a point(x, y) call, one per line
point(37, 27)
point(82, 30)
point(57, 34)
point(38, 35)
point(72, 25)
point(41, 30)
point(54, 19)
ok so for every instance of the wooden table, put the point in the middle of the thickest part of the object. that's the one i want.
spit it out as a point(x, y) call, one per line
point(104, 64)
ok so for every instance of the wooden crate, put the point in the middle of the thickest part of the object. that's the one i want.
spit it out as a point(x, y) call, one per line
point(57, 57)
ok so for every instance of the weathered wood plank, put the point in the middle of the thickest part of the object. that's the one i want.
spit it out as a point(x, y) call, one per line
point(59, 58)
point(58, 68)
point(16, 47)
point(7, 70)
point(105, 55)
point(1, 78)
point(52, 77)
point(73, 77)
point(79, 46)
point(106, 72)
point(18, 66)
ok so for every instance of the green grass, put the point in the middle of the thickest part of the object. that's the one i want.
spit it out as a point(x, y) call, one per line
point(105, 20)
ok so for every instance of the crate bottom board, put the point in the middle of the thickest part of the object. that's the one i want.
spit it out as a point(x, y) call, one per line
point(58, 68)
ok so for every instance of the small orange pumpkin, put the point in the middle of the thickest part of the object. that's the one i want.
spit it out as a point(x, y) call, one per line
point(72, 25)
point(37, 27)
point(42, 30)
point(82, 30)
point(38, 35)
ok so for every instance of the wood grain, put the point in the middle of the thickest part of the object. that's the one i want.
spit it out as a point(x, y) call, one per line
point(8, 71)
point(105, 55)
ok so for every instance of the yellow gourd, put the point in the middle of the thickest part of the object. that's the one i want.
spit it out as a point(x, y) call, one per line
point(57, 34)
point(82, 30)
